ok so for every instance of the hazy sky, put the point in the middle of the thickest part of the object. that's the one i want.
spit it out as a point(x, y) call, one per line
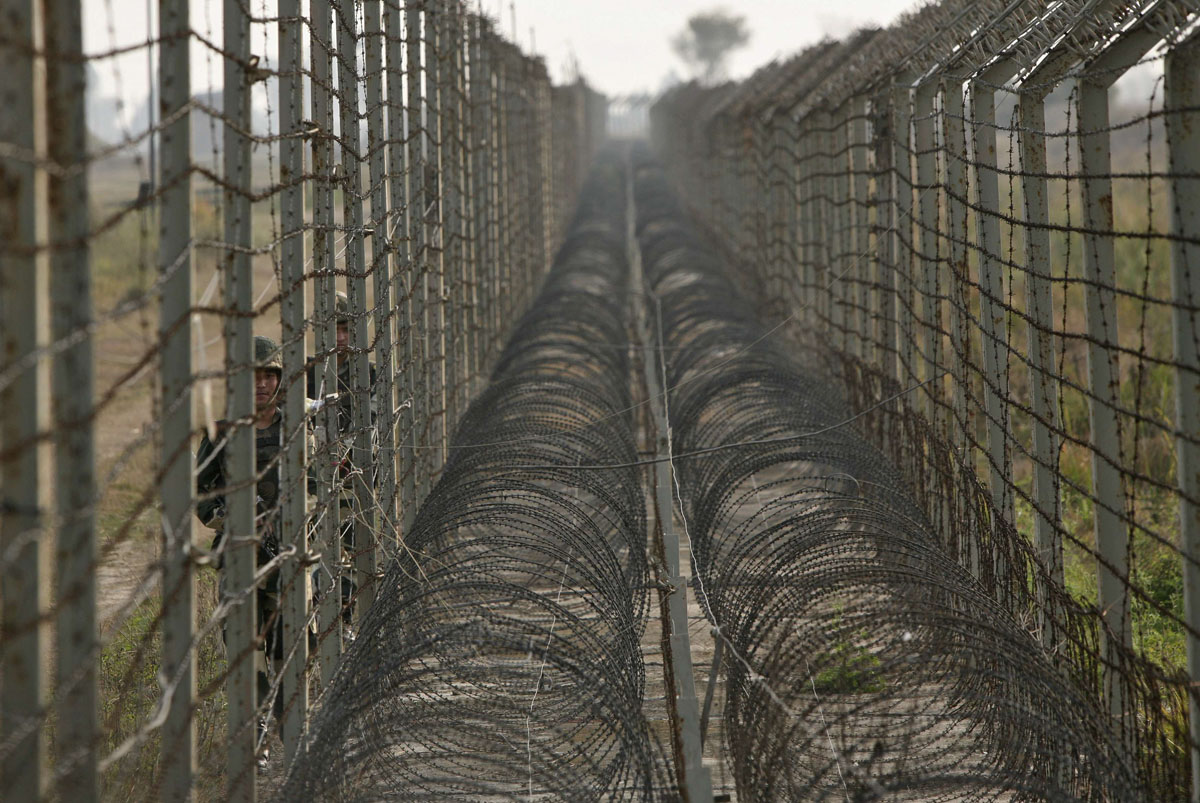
point(622, 46)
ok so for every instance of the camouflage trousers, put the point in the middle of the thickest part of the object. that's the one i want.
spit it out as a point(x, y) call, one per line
point(268, 658)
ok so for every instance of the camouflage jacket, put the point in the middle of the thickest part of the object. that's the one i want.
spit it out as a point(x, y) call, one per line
point(210, 482)
point(345, 401)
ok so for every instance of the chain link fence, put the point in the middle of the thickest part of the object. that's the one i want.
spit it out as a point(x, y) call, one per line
point(986, 220)
point(263, 299)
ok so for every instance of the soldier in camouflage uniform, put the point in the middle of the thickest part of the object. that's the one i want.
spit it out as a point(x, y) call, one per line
point(210, 507)
point(341, 443)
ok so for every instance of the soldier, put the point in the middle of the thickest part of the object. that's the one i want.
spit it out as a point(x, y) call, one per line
point(345, 385)
point(210, 507)
point(341, 444)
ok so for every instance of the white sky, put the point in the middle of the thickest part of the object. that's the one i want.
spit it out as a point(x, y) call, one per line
point(622, 46)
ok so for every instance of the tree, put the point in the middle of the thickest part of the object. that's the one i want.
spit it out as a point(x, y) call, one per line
point(707, 41)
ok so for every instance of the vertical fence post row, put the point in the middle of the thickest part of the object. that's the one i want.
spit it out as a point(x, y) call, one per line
point(24, 467)
point(238, 544)
point(1099, 271)
point(1183, 137)
point(73, 397)
point(293, 469)
point(325, 337)
point(175, 400)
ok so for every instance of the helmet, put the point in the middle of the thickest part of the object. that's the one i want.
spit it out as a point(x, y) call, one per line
point(341, 307)
point(267, 354)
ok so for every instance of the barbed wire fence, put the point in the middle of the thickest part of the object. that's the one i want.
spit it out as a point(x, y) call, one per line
point(376, 186)
point(505, 661)
point(985, 217)
point(863, 662)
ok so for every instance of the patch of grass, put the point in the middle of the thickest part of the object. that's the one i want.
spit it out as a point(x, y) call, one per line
point(130, 697)
point(849, 669)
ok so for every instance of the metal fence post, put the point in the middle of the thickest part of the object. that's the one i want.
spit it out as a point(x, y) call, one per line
point(24, 404)
point(928, 257)
point(860, 159)
point(826, 233)
point(294, 458)
point(382, 428)
point(399, 237)
point(504, 242)
point(809, 226)
point(450, 200)
point(362, 507)
point(1108, 493)
point(469, 146)
point(481, 182)
point(381, 422)
point(1104, 377)
point(776, 216)
point(957, 210)
point(238, 544)
point(175, 401)
point(419, 334)
point(73, 397)
point(1043, 380)
point(324, 325)
point(846, 280)
point(1183, 138)
point(885, 243)
point(461, 253)
point(434, 288)
point(993, 318)
point(902, 228)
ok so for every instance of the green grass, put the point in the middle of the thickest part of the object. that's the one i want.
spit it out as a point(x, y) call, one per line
point(849, 669)
point(130, 696)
